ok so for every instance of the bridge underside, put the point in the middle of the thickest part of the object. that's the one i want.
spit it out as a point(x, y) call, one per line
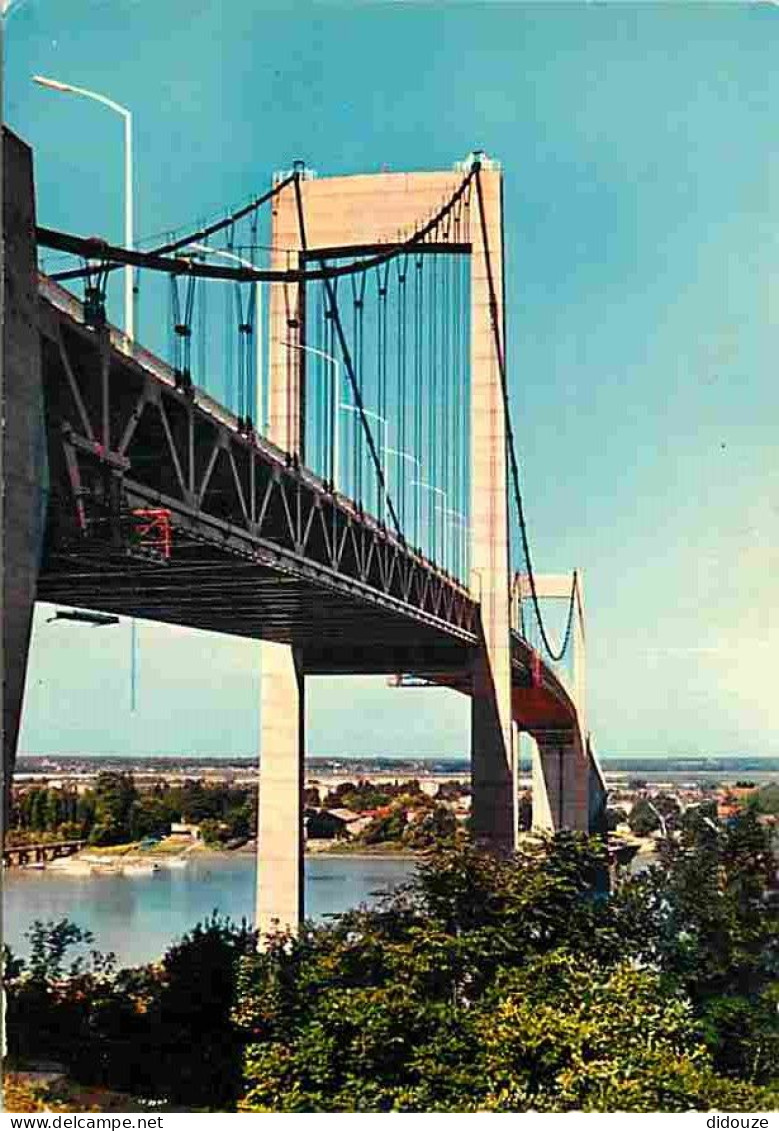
point(332, 632)
point(160, 507)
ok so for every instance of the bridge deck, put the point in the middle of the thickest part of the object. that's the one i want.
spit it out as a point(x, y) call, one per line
point(259, 546)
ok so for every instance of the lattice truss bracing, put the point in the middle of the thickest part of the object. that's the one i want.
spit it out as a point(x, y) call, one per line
point(160, 505)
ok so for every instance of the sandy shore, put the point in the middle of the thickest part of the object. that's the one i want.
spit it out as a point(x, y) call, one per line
point(93, 862)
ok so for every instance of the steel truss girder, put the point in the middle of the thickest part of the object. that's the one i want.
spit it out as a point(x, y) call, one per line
point(121, 436)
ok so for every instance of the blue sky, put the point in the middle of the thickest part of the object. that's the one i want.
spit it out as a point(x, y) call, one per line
point(642, 220)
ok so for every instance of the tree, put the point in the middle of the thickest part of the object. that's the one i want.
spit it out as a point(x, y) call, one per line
point(701, 914)
point(115, 796)
point(161, 1031)
point(766, 799)
point(47, 1004)
point(642, 818)
point(437, 826)
point(85, 812)
point(199, 1044)
point(38, 810)
point(150, 816)
point(489, 984)
point(615, 816)
point(388, 827)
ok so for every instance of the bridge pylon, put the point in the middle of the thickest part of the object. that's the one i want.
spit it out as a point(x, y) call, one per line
point(327, 216)
point(22, 439)
point(560, 758)
point(493, 746)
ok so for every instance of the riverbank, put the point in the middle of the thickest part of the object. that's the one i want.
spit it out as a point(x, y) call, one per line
point(132, 859)
point(127, 859)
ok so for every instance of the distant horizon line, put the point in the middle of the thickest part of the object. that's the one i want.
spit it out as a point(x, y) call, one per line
point(465, 758)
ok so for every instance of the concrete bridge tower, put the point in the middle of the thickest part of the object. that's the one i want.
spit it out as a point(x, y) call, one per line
point(354, 212)
point(22, 438)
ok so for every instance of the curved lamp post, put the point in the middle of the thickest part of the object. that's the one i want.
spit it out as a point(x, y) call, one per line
point(204, 249)
point(67, 88)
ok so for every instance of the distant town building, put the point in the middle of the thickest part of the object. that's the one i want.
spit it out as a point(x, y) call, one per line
point(181, 828)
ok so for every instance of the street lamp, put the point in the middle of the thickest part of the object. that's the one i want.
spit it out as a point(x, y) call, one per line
point(418, 464)
point(204, 249)
point(444, 496)
point(386, 450)
point(337, 384)
point(383, 421)
point(457, 518)
point(54, 84)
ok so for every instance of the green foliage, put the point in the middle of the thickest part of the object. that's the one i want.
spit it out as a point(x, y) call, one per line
point(364, 795)
point(161, 1031)
point(150, 816)
point(49, 943)
point(512, 984)
point(115, 797)
point(386, 827)
point(497, 984)
point(47, 1005)
point(197, 1041)
point(766, 799)
point(702, 914)
point(437, 826)
point(213, 832)
point(696, 822)
point(615, 816)
point(742, 1034)
point(116, 812)
point(642, 818)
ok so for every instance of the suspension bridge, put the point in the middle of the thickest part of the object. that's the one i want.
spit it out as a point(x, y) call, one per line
point(324, 461)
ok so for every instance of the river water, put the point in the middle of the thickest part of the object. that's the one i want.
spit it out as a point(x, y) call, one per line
point(138, 916)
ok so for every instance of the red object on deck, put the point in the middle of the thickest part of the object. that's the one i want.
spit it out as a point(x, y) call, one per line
point(153, 530)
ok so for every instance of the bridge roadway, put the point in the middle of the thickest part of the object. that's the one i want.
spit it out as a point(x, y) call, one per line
point(258, 547)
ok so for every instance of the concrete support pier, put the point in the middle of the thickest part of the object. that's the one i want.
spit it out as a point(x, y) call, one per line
point(494, 780)
point(22, 437)
point(560, 784)
point(280, 813)
point(493, 754)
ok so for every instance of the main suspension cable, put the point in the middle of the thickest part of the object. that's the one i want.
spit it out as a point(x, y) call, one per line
point(554, 655)
point(202, 233)
point(91, 248)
